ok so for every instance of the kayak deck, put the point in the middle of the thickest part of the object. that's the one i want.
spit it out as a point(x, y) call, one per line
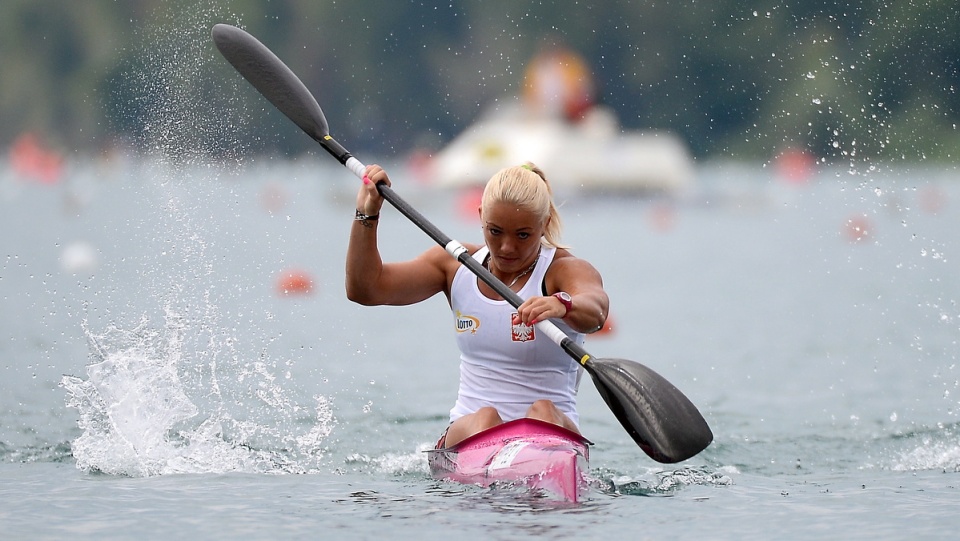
point(527, 452)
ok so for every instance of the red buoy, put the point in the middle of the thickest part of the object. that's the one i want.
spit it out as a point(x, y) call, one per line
point(607, 329)
point(294, 282)
point(858, 228)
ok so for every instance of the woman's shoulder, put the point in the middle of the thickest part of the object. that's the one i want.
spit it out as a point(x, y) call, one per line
point(562, 254)
point(568, 272)
point(564, 260)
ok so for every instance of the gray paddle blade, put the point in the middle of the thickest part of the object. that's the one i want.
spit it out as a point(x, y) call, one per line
point(663, 422)
point(272, 78)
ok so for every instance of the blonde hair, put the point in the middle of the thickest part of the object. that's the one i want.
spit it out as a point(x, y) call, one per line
point(528, 188)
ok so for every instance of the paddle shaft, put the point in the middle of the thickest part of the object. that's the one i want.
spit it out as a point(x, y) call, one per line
point(277, 82)
point(662, 421)
point(654, 400)
point(454, 248)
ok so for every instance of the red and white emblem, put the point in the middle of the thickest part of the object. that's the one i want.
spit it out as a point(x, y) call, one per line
point(520, 332)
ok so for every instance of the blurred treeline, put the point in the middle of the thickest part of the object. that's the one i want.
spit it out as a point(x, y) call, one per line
point(874, 79)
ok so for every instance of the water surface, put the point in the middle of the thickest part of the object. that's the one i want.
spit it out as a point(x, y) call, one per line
point(162, 387)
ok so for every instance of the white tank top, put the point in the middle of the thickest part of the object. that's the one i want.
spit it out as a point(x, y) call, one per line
point(504, 364)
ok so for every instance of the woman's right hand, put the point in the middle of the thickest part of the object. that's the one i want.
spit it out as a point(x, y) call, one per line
point(369, 200)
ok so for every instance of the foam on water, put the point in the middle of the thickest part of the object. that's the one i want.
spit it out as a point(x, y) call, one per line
point(139, 417)
point(393, 463)
point(931, 456)
point(937, 448)
point(660, 482)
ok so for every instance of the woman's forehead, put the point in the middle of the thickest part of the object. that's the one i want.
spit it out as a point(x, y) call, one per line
point(510, 215)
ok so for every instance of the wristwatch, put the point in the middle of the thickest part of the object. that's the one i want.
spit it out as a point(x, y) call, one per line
point(566, 299)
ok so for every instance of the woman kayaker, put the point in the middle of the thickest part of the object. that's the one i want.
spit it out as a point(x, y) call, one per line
point(507, 371)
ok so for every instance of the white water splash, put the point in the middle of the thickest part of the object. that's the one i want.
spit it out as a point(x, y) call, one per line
point(187, 398)
point(930, 455)
point(659, 481)
point(140, 418)
point(394, 463)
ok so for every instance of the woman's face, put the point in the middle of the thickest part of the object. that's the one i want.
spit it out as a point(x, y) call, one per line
point(512, 234)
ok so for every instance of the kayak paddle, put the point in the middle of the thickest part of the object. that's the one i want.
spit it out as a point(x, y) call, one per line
point(659, 418)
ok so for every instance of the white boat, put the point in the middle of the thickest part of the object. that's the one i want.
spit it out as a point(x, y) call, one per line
point(591, 154)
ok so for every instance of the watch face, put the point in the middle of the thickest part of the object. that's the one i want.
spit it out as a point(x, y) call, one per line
point(565, 296)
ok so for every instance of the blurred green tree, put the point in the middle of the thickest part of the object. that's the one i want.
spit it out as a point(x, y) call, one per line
point(841, 80)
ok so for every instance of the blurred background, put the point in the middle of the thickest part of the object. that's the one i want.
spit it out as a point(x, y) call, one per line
point(839, 82)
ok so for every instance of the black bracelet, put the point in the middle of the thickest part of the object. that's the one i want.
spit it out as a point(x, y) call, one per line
point(361, 217)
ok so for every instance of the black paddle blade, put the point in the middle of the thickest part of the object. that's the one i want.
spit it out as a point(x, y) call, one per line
point(272, 78)
point(663, 422)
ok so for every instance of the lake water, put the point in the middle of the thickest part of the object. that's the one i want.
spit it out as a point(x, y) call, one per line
point(155, 384)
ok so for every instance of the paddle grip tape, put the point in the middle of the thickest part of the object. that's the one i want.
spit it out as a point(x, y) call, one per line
point(454, 248)
point(355, 166)
point(560, 338)
point(552, 331)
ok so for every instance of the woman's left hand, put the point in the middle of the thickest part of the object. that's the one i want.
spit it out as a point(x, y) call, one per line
point(369, 200)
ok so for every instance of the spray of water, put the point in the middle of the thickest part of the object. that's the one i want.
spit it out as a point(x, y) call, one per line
point(183, 396)
point(139, 417)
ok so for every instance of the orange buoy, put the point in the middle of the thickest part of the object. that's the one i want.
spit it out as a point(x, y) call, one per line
point(32, 160)
point(795, 166)
point(607, 328)
point(293, 282)
point(857, 228)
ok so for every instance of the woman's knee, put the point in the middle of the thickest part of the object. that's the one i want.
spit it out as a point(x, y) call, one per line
point(488, 416)
point(543, 409)
point(546, 410)
point(469, 425)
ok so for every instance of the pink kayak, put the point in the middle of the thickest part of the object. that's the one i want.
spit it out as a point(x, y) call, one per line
point(526, 452)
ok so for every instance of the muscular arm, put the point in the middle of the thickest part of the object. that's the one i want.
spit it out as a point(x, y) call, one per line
point(580, 279)
point(369, 280)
